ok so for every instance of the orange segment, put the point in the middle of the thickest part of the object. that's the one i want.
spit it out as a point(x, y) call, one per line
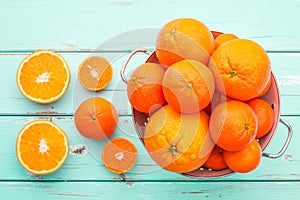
point(95, 73)
point(42, 147)
point(43, 76)
point(119, 155)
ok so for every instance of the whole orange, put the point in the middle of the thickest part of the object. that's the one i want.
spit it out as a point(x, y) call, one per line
point(225, 37)
point(144, 88)
point(184, 38)
point(264, 115)
point(244, 160)
point(233, 125)
point(188, 86)
point(96, 118)
point(241, 69)
point(178, 142)
point(267, 88)
point(216, 160)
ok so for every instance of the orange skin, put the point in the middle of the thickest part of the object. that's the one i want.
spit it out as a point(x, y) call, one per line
point(119, 155)
point(245, 160)
point(241, 69)
point(267, 88)
point(144, 88)
point(188, 86)
point(264, 115)
point(184, 38)
point(178, 142)
point(225, 37)
point(215, 160)
point(233, 125)
point(96, 118)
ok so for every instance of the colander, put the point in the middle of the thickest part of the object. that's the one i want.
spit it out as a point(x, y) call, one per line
point(272, 97)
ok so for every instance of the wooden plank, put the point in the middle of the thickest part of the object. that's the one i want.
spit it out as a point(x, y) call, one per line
point(88, 165)
point(78, 25)
point(150, 190)
point(284, 66)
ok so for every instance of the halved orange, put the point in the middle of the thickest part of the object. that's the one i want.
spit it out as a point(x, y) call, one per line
point(119, 155)
point(43, 76)
point(42, 147)
point(95, 73)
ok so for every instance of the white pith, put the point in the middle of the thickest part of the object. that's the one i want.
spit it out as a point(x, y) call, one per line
point(94, 72)
point(43, 78)
point(119, 156)
point(43, 146)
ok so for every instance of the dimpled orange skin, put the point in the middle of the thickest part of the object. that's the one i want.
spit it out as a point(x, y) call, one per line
point(225, 37)
point(245, 160)
point(178, 142)
point(241, 69)
point(184, 38)
point(264, 114)
point(233, 125)
point(216, 160)
point(188, 86)
point(144, 88)
point(96, 118)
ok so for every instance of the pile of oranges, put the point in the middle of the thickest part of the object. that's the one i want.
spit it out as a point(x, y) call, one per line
point(204, 99)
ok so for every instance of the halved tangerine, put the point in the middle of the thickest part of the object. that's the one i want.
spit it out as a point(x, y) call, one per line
point(42, 147)
point(43, 76)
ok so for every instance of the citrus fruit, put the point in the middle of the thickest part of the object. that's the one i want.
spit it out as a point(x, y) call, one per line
point(43, 76)
point(188, 86)
point(95, 73)
point(264, 115)
point(42, 147)
point(233, 125)
point(215, 160)
point(144, 88)
point(184, 38)
point(96, 118)
point(222, 38)
point(267, 88)
point(241, 69)
point(178, 142)
point(119, 155)
point(244, 160)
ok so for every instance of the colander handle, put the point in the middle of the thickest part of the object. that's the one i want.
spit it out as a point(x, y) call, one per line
point(122, 72)
point(286, 144)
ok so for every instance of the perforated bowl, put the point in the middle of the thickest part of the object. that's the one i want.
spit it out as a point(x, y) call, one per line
point(272, 97)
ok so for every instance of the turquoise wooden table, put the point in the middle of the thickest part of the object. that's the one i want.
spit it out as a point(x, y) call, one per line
point(78, 29)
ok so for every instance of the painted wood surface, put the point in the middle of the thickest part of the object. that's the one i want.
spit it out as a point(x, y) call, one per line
point(78, 29)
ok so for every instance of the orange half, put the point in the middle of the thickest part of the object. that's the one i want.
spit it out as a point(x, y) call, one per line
point(119, 155)
point(95, 73)
point(43, 76)
point(42, 147)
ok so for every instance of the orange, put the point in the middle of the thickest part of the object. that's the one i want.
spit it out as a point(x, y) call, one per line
point(43, 76)
point(42, 147)
point(267, 88)
point(96, 118)
point(184, 38)
point(95, 73)
point(188, 86)
point(244, 160)
point(178, 142)
point(225, 37)
point(144, 88)
point(264, 115)
point(215, 160)
point(233, 125)
point(241, 69)
point(119, 155)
